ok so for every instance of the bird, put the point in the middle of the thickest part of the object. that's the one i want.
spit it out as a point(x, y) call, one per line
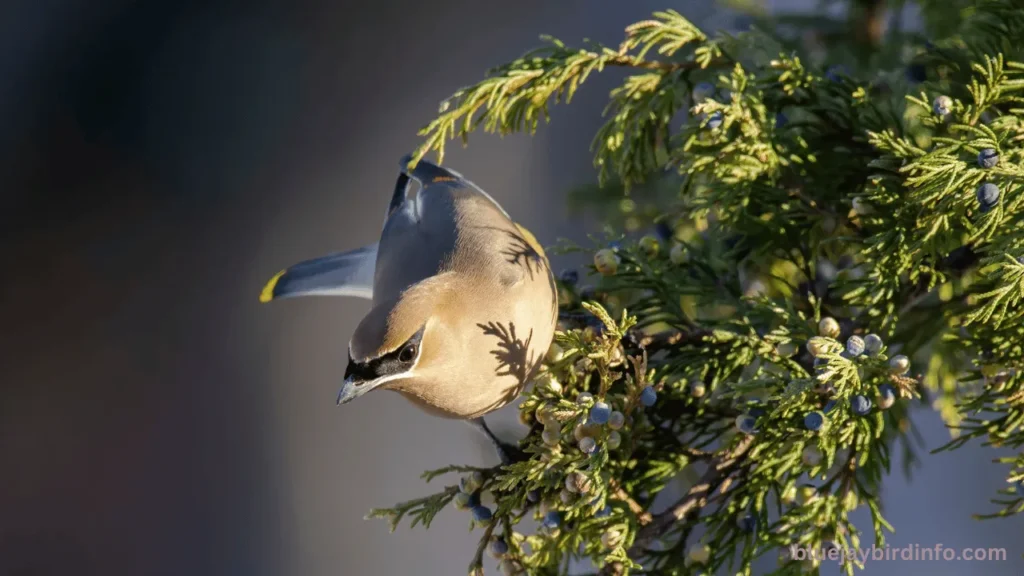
point(463, 300)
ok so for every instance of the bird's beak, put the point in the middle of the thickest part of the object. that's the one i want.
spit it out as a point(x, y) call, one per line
point(353, 389)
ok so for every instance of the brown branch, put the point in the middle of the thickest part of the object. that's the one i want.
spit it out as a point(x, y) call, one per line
point(695, 499)
point(643, 517)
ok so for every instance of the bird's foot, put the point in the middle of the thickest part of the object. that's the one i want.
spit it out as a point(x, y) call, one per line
point(509, 453)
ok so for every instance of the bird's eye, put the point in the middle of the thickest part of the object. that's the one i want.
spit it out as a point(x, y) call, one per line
point(408, 354)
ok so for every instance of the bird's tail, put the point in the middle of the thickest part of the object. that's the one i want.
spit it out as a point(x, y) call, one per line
point(340, 274)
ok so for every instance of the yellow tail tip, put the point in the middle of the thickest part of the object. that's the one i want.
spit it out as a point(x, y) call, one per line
point(268, 291)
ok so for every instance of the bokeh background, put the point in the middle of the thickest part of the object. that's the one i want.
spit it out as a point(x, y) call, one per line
point(158, 161)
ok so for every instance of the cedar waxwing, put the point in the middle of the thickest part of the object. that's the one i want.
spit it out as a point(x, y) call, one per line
point(464, 304)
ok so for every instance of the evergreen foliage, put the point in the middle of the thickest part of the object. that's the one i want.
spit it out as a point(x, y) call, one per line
point(839, 242)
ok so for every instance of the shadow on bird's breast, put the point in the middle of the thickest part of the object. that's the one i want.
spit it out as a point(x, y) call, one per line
point(512, 353)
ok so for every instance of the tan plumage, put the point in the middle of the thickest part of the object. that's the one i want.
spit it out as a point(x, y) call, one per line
point(464, 302)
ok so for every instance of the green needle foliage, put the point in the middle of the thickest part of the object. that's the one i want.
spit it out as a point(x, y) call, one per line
point(830, 258)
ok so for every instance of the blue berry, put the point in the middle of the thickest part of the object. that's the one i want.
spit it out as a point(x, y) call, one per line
point(600, 413)
point(820, 363)
point(648, 397)
point(703, 91)
point(664, 231)
point(533, 495)
point(988, 158)
point(474, 500)
point(942, 106)
point(498, 548)
point(855, 345)
point(482, 514)
point(552, 520)
point(916, 73)
point(780, 120)
point(860, 404)
point(828, 407)
point(569, 277)
point(886, 396)
point(988, 196)
point(747, 522)
point(836, 73)
point(814, 421)
point(872, 344)
point(715, 120)
point(1020, 488)
point(746, 423)
point(603, 512)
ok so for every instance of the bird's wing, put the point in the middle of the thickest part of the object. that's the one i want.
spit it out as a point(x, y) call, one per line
point(420, 228)
point(340, 274)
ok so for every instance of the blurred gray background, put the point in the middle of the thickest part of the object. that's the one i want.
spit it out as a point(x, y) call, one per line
point(158, 162)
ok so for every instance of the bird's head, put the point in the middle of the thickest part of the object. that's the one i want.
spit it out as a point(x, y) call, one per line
point(396, 339)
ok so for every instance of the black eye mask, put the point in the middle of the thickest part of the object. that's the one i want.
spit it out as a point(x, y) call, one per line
point(388, 364)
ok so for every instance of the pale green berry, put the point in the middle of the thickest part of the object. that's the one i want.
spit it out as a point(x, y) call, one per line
point(566, 496)
point(828, 327)
point(899, 364)
point(548, 382)
point(555, 353)
point(811, 456)
point(650, 246)
point(588, 445)
point(544, 415)
point(862, 208)
point(570, 483)
point(697, 389)
point(614, 440)
point(461, 501)
point(616, 420)
point(582, 431)
point(525, 418)
point(581, 481)
point(699, 553)
point(817, 346)
point(679, 254)
point(510, 567)
point(606, 262)
point(471, 483)
point(551, 436)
